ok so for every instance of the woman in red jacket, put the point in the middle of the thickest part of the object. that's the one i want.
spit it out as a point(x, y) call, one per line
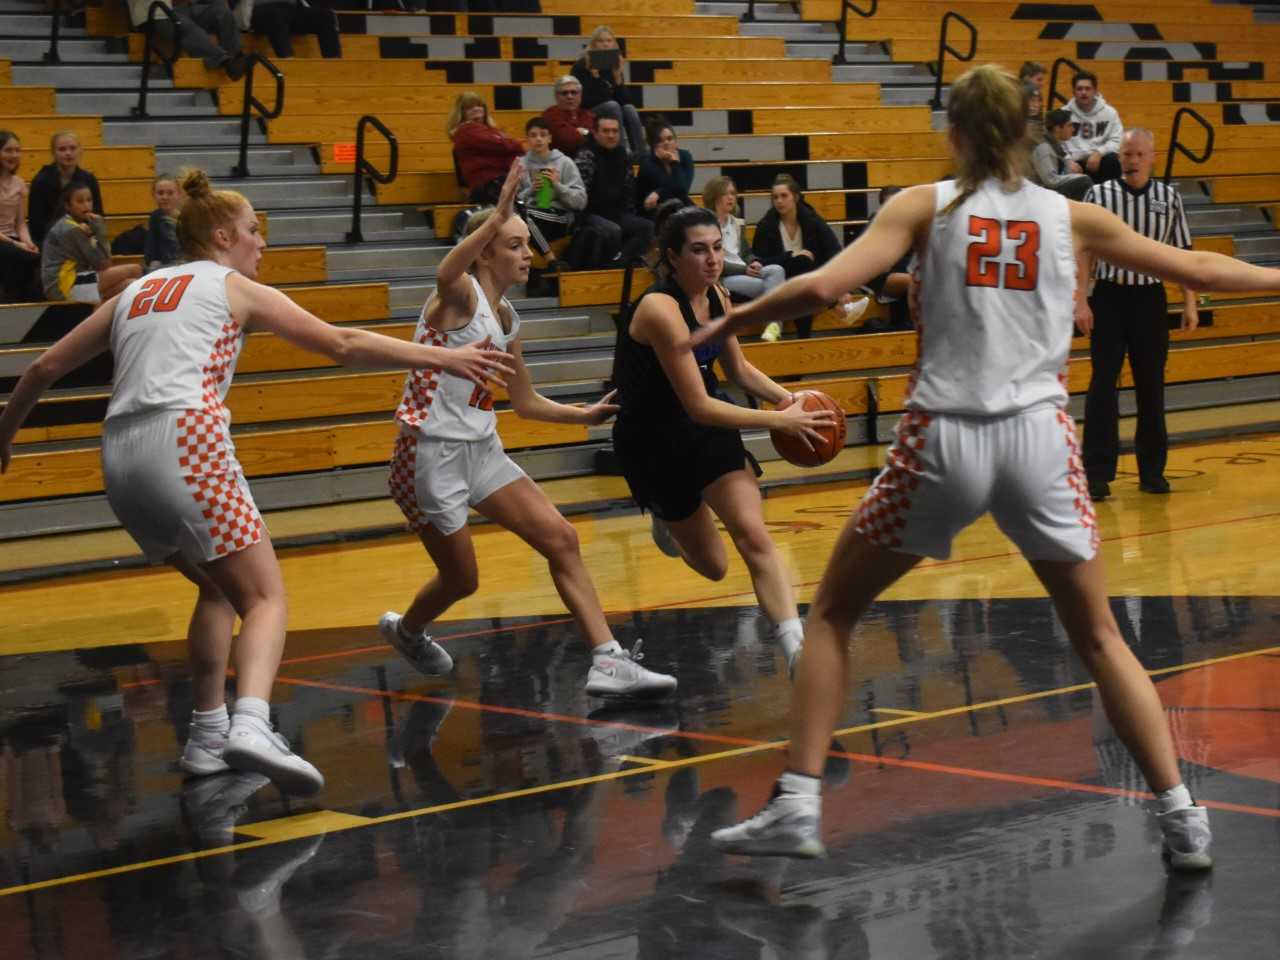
point(482, 153)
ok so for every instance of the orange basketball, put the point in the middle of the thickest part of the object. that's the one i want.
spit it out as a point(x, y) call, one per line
point(793, 449)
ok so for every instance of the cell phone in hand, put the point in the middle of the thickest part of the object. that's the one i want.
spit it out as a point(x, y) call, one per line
point(604, 60)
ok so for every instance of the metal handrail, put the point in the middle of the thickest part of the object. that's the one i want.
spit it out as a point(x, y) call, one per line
point(251, 102)
point(944, 48)
point(150, 48)
point(55, 27)
point(1053, 82)
point(1175, 145)
point(845, 7)
point(363, 167)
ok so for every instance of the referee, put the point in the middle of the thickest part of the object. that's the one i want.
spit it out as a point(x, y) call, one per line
point(1129, 315)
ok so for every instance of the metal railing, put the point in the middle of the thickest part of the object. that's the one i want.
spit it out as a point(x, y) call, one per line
point(1054, 96)
point(55, 27)
point(846, 7)
point(151, 48)
point(252, 103)
point(364, 168)
point(944, 48)
point(1175, 145)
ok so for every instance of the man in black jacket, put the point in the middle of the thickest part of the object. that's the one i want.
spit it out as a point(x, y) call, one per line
point(611, 191)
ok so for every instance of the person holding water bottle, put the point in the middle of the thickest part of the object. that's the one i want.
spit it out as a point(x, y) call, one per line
point(551, 189)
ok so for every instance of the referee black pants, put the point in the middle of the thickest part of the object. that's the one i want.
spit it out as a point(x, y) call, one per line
point(1132, 320)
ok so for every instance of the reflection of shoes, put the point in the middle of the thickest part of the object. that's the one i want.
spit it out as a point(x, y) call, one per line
point(772, 332)
point(1188, 906)
point(620, 676)
point(253, 746)
point(788, 826)
point(422, 652)
point(620, 732)
point(795, 931)
point(420, 724)
point(258, 882)
point(214, 804)
point(203, 758)
point(1154, 485)
point(1186, 838)
point(1099, 490)
point(663, 538)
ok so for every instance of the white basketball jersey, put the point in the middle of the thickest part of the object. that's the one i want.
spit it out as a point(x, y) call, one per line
point(174, 340)
point(997, 283)
point(439, 405)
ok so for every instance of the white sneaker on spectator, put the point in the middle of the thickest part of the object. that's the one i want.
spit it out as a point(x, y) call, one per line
point(619, 676)
point(772, 332)
point(788, 826)
point(254, 747)
point(663, 538)
point(422, 652)
point(1187, 838)
point(202, 757)
point(854, 310)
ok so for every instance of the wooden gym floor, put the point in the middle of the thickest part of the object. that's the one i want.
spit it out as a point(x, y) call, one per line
point(978, 804)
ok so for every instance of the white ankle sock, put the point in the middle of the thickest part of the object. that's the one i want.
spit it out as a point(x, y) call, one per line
point(1175, 798)
point(209, 724)
point(610, 649)
point(799, 783)
point(253, 708)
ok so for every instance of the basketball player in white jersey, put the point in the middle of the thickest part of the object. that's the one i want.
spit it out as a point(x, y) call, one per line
point(449, 458)
point(169, 464)
point(985, 430)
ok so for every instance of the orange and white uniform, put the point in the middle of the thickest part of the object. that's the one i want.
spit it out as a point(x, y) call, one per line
point(170, 467)
point(986, 427)
point(448, 457)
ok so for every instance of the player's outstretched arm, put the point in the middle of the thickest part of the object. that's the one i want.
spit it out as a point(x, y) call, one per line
point(531, 405)
point(452, 282)
point(1107, 237)
point(262, 308)
point(891, 234)
point(77, 348)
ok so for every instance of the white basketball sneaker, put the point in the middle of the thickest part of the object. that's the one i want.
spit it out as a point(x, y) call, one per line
point(1187, 838)
point(619, 676)
point(790, 825)
point(422, 652)
point(254, 747)
point(203, 757)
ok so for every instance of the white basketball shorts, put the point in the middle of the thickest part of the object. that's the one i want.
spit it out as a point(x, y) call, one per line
point(174, 482)
point(944, 471)
point(436, 482)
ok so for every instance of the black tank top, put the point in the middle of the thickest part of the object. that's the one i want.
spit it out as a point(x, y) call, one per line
point(644, 392)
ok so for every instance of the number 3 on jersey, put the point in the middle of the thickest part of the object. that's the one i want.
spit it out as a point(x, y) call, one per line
point(159, 295)
point(988, 243)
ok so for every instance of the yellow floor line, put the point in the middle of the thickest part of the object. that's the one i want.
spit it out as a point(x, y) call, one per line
point(902, 713)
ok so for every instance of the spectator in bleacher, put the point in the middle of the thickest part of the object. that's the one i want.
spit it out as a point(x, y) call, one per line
point(611, 191)
point(570, 123)
point(45, 200)
point(161, 248)
point(75, 262)
point(278, 20)
point(743, 276)
point(1095, 144)
point(795, 236)
point(196, 21)
point(551, 188)
point(1034, 74)
point(666, 171)
point(1050, 165)
point(604, 92)
point(482, 152)
point(19, 256)
point(892, 287)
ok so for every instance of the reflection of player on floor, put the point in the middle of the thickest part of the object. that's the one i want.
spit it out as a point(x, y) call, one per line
point(679, 446)
point(985, 430)
point(448, 458)
point(169, 464)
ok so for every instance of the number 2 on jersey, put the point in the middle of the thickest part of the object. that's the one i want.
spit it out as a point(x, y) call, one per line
point(159, 295)
point(988, 243)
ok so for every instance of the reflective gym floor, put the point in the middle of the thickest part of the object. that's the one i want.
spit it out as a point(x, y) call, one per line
point(978, 805)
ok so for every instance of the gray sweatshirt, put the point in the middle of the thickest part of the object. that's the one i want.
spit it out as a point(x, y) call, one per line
point(1098, 130)
point(571, 192)
point(67, 252)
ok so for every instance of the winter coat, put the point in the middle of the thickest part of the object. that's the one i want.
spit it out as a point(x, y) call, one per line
point(819, 238)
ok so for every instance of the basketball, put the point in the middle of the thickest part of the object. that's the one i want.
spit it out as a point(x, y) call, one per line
point(793, 449)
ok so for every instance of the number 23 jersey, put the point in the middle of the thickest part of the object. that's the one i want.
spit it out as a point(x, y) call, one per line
point(997, 284)
point(440, 406)
point(174, 341)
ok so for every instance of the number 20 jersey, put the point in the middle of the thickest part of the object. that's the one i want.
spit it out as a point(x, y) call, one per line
point(997, 283)
point(174, 341)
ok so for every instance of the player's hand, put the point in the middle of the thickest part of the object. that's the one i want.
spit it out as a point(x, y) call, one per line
point(804, 424)
point(754, 268)
point(651, 200)
point(1083, 315)
point(507, 198)
point(483, 366)
point(602, 409)
point(1190, 316)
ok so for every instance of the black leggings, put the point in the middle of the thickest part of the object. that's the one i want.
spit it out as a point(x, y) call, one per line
point(18, 270)
point(793, 267)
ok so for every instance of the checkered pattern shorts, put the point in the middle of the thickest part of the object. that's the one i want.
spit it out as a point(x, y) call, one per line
point(174, 482)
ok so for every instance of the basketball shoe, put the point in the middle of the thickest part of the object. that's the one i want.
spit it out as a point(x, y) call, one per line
point(1187, 838)
point(421, 651)
point(617, 675)
point(202, 756)
point(254, 747)
point(790, 825)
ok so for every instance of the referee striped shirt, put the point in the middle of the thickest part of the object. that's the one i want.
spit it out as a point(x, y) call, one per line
point(1155, 211)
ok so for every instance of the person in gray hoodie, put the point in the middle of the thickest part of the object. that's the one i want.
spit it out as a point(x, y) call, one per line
point(1095, 144)
point(551, 188)
point(1050, 165)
